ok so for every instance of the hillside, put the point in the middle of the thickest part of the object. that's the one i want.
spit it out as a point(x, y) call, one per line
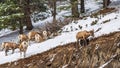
point(102, 50)
point(61, 51)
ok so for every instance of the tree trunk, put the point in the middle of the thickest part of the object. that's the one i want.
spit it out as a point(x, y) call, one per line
point(21, 26)
point(21, 19)
point(106, 3)
point(27, 15)
point(82, 6)
point(54, 11)
point(74, 8)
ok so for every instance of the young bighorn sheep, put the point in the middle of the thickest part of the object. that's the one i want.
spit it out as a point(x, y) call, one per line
point(9, 46)
point(83, 35)
point(22, 37)
point(23, 47)
point(31, 35)
point(38, 38)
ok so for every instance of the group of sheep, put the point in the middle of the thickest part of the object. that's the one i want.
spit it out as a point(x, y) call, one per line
point(24, 40)
point(39, 37)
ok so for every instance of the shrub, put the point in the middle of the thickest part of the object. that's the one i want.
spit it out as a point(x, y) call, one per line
point(94, 22)
point(106, 21)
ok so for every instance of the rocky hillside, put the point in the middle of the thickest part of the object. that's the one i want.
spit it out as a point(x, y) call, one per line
point(103, 51)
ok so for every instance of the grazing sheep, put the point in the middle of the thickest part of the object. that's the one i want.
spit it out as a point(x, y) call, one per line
point(31, 35)
point(9, 46)
point(83, 35)
point(38, 38)
point(22, 37)
point(23, 47)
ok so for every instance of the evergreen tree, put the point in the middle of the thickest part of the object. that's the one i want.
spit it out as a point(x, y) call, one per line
point(16, 13)
point(74, 9)
point(29, 6)
point(10, 14)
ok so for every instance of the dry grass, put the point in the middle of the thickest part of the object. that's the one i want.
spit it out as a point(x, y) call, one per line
point(94, 22)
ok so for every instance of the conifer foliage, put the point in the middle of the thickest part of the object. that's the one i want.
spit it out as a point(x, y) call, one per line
point(17, 13)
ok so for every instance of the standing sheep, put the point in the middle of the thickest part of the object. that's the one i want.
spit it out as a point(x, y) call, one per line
point(23, 47)
point(9, 46)
point(83, 35)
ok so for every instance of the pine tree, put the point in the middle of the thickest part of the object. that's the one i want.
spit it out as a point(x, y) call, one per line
point(16, 13)
point(74, 9)
point(10, 15)
point(29, 6)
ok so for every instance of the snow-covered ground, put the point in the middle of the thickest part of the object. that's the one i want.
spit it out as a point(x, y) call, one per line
point(68, 35)
point(5, 32)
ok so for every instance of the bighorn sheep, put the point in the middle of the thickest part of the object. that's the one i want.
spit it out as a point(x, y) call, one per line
point(38, 38)
point(9, 46)
point(83, 35)
point(22, 37)
point(31, 35)
point(23, 47)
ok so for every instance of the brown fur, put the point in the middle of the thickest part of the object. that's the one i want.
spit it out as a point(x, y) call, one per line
point(31, 35)
point(23, 47)
point(9, 46)
point(22, 37)
point(38, 38)
point(45, 35)
point(83, 35)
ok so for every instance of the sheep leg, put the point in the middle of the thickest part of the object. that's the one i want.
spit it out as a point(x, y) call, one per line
point(12, 51)
point(77, 44)
point(77, 41)
point(6, 52)
point(2, 49)
point(24, 53)
point(81, 42)
point(85, 42)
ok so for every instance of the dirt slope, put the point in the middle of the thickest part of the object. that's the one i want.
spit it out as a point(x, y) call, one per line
point(99, 51)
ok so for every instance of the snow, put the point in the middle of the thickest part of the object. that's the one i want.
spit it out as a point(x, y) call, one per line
point(6, 31)
point(111, 26)
point(106, 63)
point(65, 66)
point(92, 5)
point(102, 66)
point(68, 35)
